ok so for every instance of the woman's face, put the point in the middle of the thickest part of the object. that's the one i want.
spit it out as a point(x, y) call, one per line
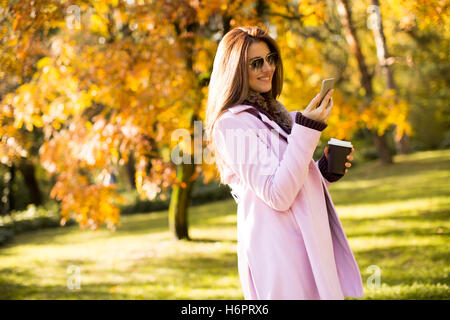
point(260, 80)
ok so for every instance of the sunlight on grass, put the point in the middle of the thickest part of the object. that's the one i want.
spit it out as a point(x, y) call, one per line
point(440, 155)
point(411, 207)
point(413, 291)
point(396, 219)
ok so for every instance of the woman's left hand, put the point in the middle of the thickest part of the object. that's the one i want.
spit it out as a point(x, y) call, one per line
point(349, 158)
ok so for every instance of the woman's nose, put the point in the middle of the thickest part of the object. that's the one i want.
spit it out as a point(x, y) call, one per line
point(266, 67)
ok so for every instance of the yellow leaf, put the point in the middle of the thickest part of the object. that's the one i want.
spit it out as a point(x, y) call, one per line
point(43, 62)
point(115, 154)
point(37, 121)
point(56, 125)
point(12, 42)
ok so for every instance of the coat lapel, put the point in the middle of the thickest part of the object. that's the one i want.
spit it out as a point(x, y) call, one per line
point(240, 108)
point(274, 125)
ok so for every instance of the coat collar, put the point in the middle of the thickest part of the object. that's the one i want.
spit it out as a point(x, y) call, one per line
point(239, 108)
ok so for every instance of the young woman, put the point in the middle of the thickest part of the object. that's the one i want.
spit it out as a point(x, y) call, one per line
point(291, 244)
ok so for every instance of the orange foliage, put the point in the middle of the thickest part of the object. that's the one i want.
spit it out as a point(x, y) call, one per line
point(120, 83)
point(113, 81)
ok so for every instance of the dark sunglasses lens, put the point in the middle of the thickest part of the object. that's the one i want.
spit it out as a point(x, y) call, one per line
point(272, 58)
point(257, 64)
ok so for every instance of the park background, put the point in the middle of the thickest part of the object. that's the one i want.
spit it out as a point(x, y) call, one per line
point(92, 207)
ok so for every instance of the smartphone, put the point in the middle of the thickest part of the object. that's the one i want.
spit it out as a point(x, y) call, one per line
point(327, 85)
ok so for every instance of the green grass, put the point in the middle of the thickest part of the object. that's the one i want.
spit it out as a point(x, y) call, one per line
point(396, 218)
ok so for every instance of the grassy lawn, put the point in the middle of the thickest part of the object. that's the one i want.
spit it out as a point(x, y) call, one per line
point(396, 219)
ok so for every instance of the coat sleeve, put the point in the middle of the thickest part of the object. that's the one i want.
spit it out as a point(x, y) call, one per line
point(322, 163)
point(244, 149)
point(327, 183)
point(330, 177)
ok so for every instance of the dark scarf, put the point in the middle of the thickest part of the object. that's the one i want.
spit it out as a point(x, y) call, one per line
point(274, 110)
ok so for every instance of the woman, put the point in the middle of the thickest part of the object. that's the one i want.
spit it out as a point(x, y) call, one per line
point(291, 244)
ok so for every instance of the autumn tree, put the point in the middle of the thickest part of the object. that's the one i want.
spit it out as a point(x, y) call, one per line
point(25, 26)
point(92, 86)
point(131, 74)
point(380, 136)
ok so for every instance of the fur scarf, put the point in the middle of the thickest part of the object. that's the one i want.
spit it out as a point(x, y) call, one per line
point(271, 108)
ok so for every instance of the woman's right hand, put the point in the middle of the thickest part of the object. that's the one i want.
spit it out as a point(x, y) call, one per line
point(322, 113)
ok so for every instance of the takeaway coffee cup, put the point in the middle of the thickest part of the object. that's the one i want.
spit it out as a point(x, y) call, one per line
point(338, 150)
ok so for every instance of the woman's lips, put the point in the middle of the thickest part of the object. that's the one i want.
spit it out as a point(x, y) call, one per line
point(265, 79)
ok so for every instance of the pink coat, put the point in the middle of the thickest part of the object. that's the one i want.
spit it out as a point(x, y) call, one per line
point(291, 244)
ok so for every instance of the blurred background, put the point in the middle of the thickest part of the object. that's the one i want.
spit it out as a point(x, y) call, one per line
point(91, 92)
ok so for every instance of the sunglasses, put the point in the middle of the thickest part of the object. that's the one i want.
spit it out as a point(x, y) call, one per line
point(271, 58)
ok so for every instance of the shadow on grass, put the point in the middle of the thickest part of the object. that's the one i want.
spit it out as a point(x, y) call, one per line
point(17, 291)
point(172, 277)
point(422, 217)
point(386, 193)
point(401, 168)
point(132, 225)
point(406, 265)
point(199, 240)
point(199, 215)
point(405, 180)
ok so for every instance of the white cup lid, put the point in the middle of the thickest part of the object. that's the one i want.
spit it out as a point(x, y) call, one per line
point(341, 143)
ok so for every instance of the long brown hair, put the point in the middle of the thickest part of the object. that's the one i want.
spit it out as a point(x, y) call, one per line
point(228, 85)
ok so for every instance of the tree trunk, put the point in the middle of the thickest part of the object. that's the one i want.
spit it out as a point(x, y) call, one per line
point(12, 178)
point(383, 148)
point(7, 192)
point(179, 201)
point(345, 16)
point(27, 169)
point(403, 144)
point(383, 56)
point(261, 10)
point(181, 192)
point(131, 171)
